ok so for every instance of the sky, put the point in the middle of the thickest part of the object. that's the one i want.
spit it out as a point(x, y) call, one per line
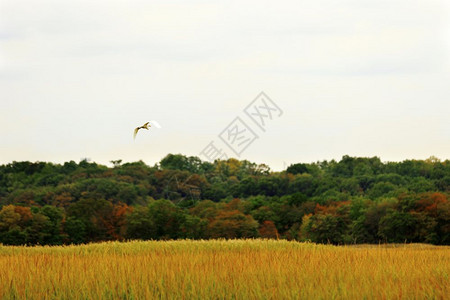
point(360, 78)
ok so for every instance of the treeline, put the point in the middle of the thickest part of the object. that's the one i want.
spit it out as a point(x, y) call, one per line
point(355, 200)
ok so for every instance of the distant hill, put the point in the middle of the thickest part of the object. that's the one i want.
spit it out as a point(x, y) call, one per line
point(355, 200)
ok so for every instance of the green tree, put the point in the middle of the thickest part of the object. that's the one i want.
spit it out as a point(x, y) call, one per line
point(193, 227)
point(297, 169)
point(13, 221)
point(381, 189)
point(75, 230)
point(92, 210)
point(140, 225)
point(397, 227)
point(167, 219)
point(325, 228)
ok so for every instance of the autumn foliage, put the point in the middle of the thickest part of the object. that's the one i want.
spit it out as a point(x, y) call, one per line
point(355, 200)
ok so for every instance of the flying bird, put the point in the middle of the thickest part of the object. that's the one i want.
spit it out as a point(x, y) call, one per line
point(145, 126)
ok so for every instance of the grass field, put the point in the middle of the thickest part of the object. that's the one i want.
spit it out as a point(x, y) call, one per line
point(236, 269)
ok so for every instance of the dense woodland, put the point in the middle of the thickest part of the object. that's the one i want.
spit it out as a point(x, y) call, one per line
point(355, 200)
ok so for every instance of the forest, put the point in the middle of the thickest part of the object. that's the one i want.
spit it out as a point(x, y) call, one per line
point(352, 201)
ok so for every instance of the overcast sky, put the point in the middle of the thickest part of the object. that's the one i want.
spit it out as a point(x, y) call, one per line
point(361, 77)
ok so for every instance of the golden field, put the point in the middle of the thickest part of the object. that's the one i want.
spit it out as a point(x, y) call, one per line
point(220, 269)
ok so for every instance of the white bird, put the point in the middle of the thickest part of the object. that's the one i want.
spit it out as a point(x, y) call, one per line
point(145, 126)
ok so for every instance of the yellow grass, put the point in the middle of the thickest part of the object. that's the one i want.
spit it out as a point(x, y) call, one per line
point(237, 269)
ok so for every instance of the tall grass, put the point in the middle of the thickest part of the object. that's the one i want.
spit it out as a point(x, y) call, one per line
point(219, 269)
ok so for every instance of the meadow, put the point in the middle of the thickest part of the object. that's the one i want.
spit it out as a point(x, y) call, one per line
point(224, 269)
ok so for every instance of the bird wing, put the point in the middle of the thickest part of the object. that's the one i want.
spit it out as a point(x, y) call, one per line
point(135, 132)
point(146, 125)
